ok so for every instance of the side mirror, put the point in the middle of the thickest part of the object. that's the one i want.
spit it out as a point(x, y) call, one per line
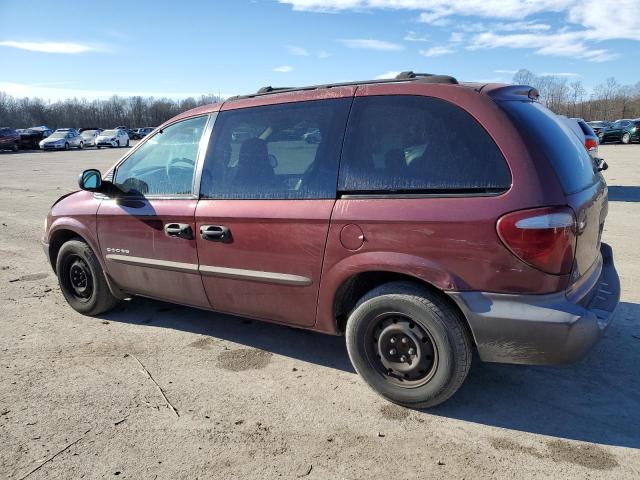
point(90, 180)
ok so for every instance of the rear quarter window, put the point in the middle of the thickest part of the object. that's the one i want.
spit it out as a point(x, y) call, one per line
point(414, 144)
point(544, 130)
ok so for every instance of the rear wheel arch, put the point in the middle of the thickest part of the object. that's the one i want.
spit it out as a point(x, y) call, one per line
point(354, 288)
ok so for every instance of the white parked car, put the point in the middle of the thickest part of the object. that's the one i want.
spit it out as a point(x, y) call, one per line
point(89, 137)
point(62, 139)
point(113, 138)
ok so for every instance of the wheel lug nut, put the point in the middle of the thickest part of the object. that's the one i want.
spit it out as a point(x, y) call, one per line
point(405, 340)
point(411, 351)
point(392, 340)
point(392, 351)
point(403, 358)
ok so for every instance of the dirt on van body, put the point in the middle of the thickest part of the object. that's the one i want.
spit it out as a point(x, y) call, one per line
point(153, 390)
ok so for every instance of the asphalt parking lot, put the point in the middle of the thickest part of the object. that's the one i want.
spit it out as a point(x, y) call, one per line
point(155, 390)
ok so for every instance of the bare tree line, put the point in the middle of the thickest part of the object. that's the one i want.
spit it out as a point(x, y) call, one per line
point(608, 101)
point(74, 112)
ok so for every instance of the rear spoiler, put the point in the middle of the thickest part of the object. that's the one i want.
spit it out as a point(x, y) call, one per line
point(511, 92)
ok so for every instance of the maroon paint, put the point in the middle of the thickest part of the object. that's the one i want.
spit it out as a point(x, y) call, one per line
point(277, 236)
point(137, 225)
point(450, 243)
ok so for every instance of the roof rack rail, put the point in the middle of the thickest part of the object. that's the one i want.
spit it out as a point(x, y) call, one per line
point(271, 89)
point(407, 76)
point(426, 77)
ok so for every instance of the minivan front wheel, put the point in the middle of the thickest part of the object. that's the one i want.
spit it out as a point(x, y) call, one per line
point(82, 280)
point(408, 344)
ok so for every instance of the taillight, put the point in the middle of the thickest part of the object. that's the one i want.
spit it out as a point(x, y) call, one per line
point(590, 143)
point(545, 238)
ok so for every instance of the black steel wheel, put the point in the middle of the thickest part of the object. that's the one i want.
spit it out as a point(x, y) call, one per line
point(401, 349)
point(409, 343)
point(82, 280)
point(79, 276)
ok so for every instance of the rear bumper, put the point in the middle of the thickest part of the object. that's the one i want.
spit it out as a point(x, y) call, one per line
point(542, 329)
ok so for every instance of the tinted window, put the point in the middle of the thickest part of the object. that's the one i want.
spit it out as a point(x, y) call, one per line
point(276, 152)
point(409, 143)
point(545, 130)
point(164, 164)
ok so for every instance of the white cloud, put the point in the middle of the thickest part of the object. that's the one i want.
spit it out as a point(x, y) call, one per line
point(567, 44)
point(388, 75)
point(371, 44)
point(586, 22)
point(436, 51)
point(510, 72)
point(283, 69)
point(323, 54)
point(412, 36)
point(54, 47)
point(560, 74)
point(456, 37)
point(294, 50)
point(41, 90)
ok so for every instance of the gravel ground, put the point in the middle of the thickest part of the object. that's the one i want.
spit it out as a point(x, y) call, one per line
point(161, 391)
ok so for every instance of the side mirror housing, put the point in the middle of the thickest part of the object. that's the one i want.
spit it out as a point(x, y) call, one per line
point(90, 180)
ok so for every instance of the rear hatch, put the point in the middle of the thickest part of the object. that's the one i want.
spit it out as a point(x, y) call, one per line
point(584, 186)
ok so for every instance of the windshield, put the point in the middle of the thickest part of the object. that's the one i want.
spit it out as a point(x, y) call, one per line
point(88, 133)
point(58, 135)
point(109, 132)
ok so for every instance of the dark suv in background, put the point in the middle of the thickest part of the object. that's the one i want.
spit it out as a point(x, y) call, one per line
point(426, 219)
point(9, 139)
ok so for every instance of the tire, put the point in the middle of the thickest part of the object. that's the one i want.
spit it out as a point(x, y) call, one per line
point(601, 139)
point(76, 261)
point(118, 143)
point(66, 146)
point(98, 147)
point(626, 138)
point(442, 353)
point(14, 147)
point(127, 145)
point(81, 146)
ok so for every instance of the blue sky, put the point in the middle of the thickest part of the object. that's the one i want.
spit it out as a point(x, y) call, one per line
point(56, 50)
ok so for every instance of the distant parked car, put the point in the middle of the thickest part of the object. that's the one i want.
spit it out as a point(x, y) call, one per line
point(312, 136)
point(133, 134)
point(590, 138)
point(30, 139)
point(598, 125)
point(143, 132)
point(116, 137)
point(46, 131)
point(89, 136)
point(121, 127)
point(9, 139)
point(62, 139)
point(625, 131)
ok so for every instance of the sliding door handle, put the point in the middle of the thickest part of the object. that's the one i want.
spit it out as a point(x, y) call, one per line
point(216, 233)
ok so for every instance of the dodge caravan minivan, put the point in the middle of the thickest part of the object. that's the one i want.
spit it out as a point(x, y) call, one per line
point(425, 220)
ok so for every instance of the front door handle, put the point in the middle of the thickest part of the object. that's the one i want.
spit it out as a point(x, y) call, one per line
point(216, 233)
point(179, 230)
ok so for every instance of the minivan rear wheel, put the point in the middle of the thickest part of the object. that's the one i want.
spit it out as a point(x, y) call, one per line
point(408, 344)
point(82, 280)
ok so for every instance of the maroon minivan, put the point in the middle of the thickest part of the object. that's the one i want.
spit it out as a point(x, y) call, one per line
point(420, 217)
